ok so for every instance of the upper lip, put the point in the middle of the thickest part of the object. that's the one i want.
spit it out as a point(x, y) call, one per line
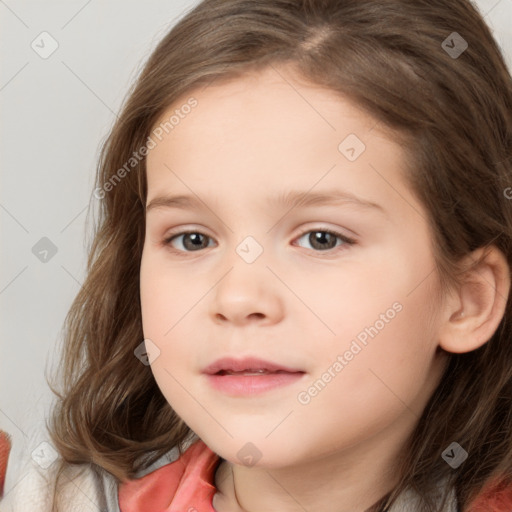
point(247, 363)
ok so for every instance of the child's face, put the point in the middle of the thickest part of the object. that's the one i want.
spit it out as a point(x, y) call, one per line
point(304, 300)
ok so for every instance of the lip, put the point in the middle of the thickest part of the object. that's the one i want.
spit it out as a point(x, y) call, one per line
point(277, 376)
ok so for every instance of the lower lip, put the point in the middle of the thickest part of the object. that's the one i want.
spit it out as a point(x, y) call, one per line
point(242, 385)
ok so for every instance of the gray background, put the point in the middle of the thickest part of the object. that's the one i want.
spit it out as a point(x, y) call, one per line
point(56, 111)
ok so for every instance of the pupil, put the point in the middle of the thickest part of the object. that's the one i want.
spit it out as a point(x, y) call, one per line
point(195, 238)
point(322, 238)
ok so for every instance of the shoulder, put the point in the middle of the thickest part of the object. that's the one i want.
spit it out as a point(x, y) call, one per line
point(444, 497)
point(495, 497)
point(31, 474)
point(33, 490)
point(83, 488)
point(191, 474)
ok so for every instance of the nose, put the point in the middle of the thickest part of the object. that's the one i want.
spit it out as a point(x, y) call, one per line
point(247, 293)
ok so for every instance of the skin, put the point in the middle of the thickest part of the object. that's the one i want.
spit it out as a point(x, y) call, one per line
point(298, 305)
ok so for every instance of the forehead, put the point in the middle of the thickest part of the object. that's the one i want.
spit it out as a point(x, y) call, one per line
point(278, 94)
point(269, 130)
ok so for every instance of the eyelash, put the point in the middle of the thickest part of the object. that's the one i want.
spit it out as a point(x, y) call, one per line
point(347, 241)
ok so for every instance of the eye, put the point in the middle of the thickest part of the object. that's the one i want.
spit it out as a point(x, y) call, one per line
point(325, 239)
point(192, 241)
point(320, 240)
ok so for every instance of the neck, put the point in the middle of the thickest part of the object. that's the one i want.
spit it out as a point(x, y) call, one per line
point(349, 480)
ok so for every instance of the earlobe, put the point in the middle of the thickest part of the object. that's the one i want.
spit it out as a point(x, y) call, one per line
point(475, 311)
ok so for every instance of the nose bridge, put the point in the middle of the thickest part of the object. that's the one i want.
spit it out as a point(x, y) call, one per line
point(244, 291)
point(246, 264)
point(250, 249)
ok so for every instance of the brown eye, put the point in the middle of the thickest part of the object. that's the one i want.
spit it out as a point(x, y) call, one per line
point(191, 241)
point(325, 239)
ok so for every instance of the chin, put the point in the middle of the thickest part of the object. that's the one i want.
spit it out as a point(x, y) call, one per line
point(252, 451)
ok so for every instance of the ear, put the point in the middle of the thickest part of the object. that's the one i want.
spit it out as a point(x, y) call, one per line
point(474, 312)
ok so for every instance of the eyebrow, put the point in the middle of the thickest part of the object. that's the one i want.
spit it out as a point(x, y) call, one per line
point(290, 199)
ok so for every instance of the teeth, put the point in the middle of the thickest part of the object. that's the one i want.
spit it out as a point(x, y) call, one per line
point(245, 372)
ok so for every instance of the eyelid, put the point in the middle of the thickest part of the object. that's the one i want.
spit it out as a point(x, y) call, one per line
point(183, 231)
point(326, 229)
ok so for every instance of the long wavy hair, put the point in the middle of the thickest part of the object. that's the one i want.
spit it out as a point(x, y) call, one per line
point(453, 113)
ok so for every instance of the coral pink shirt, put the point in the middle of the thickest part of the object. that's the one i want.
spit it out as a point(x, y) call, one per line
point(185, 485)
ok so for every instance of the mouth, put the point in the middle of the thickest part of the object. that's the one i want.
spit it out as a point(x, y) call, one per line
point(249, 376)
point(247, 365)
point(251, 372)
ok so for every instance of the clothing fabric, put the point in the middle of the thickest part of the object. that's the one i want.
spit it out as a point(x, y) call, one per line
point(173, 483)
point(184, 485)
point(187, 486)
point(5, 448)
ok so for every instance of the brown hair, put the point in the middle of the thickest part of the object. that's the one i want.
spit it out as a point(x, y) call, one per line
point(454, 118)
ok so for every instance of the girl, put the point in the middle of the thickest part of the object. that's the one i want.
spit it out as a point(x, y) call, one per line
point(298, 293)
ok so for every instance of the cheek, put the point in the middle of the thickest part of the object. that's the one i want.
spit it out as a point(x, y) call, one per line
point(391, 373)
point(352, 294)
point(383, 333)
point(169, 299)
point(389, 378)
point(167, 296)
